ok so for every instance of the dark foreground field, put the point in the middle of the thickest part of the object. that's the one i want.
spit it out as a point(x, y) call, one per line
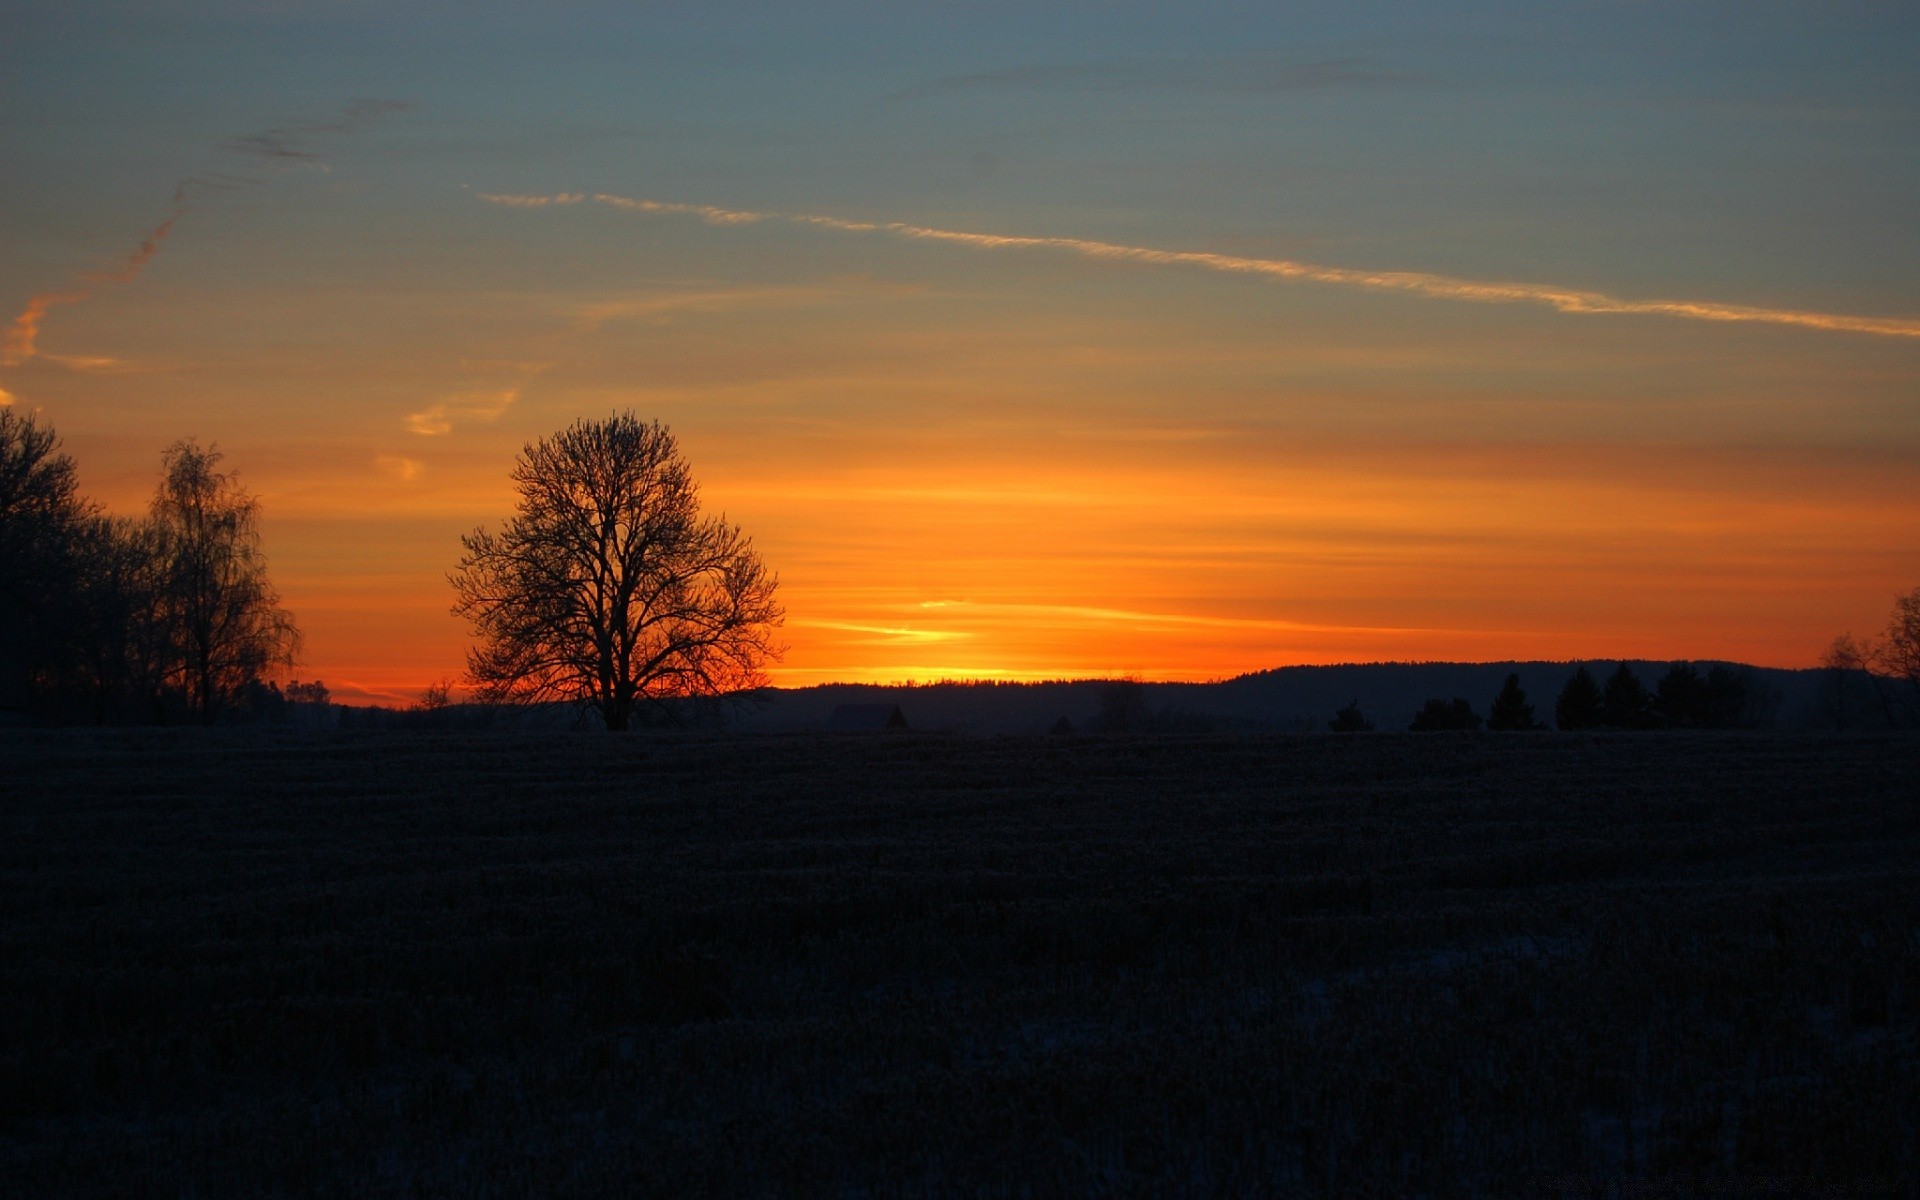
point(589, 965)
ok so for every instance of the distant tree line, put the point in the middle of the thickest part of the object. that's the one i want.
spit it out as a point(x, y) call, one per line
point(162, 618)
point(1721, 697)
point(1124, 709)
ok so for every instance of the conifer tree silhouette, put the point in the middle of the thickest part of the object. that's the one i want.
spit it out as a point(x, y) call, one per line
point(1579, 704)
point(1510, 709)
point(1624, 702)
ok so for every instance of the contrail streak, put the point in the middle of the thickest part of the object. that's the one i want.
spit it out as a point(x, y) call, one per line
point(1416, 283)
point(269, 146)
point(136, 262)
point(23, 336)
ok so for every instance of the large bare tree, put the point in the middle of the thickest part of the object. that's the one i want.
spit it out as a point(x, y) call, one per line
point(608, 588)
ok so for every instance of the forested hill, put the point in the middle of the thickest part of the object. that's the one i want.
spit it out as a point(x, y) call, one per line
point(1283, 699)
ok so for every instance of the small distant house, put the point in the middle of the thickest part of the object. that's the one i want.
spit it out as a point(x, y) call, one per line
point(866, 718)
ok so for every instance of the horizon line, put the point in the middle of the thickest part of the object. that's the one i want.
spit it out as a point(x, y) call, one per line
point(1052, 680)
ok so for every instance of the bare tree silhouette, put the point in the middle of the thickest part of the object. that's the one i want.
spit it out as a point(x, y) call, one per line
point(608, 588)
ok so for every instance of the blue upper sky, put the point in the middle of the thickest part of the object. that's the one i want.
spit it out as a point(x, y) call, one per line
point(1760, 151)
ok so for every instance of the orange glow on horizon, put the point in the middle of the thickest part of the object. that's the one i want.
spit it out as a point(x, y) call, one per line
point(1014, 571)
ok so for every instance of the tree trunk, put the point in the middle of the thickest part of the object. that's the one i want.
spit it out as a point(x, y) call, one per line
point(206, 692)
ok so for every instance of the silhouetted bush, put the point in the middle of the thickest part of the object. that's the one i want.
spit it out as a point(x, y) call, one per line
point(1350, 720)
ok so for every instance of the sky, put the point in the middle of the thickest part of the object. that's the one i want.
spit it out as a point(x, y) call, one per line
point(1024, 341)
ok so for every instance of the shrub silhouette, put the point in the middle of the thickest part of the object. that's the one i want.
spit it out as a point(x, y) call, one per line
point(1350, 720)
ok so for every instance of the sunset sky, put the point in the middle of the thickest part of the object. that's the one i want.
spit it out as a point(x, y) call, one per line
point(1104, 339)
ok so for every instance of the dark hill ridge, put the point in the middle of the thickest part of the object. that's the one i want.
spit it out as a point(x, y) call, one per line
point(1296, 699)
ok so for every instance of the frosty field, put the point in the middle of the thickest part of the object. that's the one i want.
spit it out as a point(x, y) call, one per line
point(235, 964)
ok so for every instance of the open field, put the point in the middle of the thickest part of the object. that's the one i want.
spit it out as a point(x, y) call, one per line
point(407, 964)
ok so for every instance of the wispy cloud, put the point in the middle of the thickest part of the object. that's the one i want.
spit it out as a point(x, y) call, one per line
point(101, 364)
point(1077, 612)
point(290, 142)
point(398, 466)
point(1246, 74)
point(439, 419)
point(595, 315)
point(1415, 283)
point(277, 145)
point(24, 334)
point(887, 634)
point(6, 398)
point(504, 201)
